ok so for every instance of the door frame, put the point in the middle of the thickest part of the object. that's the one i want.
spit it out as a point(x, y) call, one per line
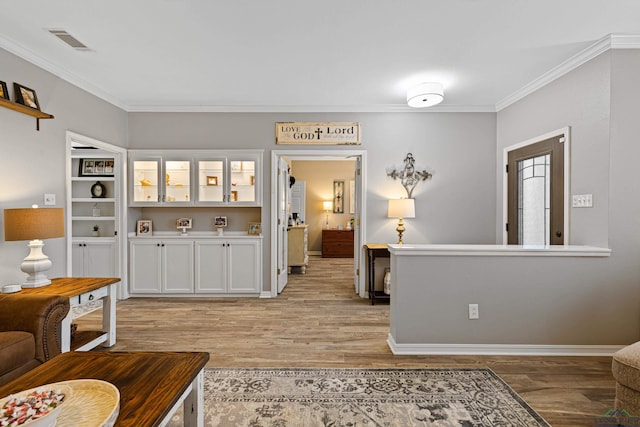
point(276, 155)
point(120, 172)
point(566, 133)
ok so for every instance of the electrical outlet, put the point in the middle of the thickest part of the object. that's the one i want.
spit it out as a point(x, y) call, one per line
point(49, 199)
point(474, 312)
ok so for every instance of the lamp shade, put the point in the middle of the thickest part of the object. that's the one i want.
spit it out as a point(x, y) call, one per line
point(425, 95)
point(33, 223)
point(327, 205)
point(401, 208)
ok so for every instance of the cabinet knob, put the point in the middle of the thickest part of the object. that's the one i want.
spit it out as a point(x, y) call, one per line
point(158, 244)
point(163, 245)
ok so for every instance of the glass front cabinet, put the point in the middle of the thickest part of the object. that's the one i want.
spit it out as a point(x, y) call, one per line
point(195, 178)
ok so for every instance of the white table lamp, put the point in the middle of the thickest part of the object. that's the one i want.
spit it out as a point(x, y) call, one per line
point(401, 208)
point(34, 224)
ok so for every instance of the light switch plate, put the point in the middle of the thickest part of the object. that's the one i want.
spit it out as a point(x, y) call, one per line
point(49, 199)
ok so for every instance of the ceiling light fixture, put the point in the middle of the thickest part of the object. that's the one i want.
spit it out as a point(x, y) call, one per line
point(425, 95)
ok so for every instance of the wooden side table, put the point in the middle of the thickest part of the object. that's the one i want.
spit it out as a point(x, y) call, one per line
point(80, 291)
point(375, 250)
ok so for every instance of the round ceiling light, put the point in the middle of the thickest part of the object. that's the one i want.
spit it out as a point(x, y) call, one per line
point(425, 95)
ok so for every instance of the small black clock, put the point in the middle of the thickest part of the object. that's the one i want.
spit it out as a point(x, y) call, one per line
point(98, 190)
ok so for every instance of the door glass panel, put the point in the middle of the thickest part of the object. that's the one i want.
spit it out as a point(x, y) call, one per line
point(534, 207)
point(243, 181)
point(177, 181)
point(210, 180)
point(145, 181)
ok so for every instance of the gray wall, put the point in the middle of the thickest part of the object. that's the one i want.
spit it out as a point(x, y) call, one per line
point(33, 163)
point(599, 102)
point(456, 206)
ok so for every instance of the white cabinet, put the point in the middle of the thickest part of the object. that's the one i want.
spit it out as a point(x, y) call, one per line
point(93, 208)
point(195, 177)
point(229, 179)
point(161, 266)
point(93, 258)
point(159, 180)
point(200, 266)
point(228, 266)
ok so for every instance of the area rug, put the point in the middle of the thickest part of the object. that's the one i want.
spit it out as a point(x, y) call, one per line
point(362, 397)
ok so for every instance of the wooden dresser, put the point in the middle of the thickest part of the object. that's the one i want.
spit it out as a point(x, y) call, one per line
point(298, 247)
point(337, 243)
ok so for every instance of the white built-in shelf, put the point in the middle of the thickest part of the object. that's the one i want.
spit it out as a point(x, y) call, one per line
point(93, 218)
point(94, 199)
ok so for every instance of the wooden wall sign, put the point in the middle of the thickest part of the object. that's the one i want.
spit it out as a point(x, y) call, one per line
point(318, 133)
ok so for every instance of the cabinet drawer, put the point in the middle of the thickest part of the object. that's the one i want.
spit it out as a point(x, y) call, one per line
point(92, 296)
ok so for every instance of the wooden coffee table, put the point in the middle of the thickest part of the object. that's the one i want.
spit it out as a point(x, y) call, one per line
point(152, 385)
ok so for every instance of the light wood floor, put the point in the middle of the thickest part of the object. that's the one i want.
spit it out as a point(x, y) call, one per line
point(318, 321)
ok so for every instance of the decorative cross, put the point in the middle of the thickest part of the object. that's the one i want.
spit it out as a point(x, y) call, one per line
point(409, 176)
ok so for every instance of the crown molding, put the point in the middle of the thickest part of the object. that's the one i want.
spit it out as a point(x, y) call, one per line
point(390, 108)
point(12, 47)
point(611, 41)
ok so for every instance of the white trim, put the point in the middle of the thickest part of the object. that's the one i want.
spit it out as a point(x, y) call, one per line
point(611, 41)
point(501, 349)
point(329, 154)
point(265, 294)
point(498, 250)
point(566, 131)
point(382, 108)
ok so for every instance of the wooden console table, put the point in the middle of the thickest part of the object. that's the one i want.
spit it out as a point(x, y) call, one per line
point(375, 250)
point(337, 243)
point(80, 291)
point(152, 385)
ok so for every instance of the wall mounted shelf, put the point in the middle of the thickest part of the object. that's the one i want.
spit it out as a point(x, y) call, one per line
point(26, 110)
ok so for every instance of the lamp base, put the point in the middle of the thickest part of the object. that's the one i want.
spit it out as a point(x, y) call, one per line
point(400, 229)
point(35, 264)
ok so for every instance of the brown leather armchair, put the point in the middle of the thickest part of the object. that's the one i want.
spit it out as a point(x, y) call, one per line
point(30, 331)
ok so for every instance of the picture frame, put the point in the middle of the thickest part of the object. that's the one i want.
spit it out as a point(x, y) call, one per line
point(255, 228)
point(184, 223)
point(338, 196)
point(96, 167)
point(26, 96)
point(234, 195)
point(212, 180)
point(4, 91)
point(144, 227)
point(220, 221)
point(236, 166)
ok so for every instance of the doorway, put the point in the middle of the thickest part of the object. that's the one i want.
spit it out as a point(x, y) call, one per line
point(536, 185)
point(279, 218)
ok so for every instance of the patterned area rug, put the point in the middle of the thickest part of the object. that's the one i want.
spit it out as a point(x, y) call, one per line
point(362, 397)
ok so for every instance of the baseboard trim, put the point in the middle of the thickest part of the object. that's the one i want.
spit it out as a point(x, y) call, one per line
point(501, 349)
point(266, 294)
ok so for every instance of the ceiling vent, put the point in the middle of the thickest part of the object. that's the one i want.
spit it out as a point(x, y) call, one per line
point(69, 39)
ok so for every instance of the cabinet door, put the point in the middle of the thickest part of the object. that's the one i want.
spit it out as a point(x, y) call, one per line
point(244, 179)
point(77, 259)
point(100, 259)
point(211, 267)
point(212, 181)
point(243, 263)
point(145, 183)
point(177, 183)
point(146, 277)
point(177, 266)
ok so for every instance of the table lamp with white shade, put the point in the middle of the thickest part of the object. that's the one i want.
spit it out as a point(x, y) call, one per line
point(401, 208)
point(34, 224)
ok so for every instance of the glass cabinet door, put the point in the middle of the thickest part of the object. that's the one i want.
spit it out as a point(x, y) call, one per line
point(243, 181)
point(145, 181)
point(211, 181)
point(177, 181)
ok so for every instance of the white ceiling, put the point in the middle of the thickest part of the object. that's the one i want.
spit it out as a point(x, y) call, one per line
point(302, 55)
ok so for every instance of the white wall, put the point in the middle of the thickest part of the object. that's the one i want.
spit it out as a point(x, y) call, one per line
point(599, 102)
point(33, 163)
point(458, 205)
